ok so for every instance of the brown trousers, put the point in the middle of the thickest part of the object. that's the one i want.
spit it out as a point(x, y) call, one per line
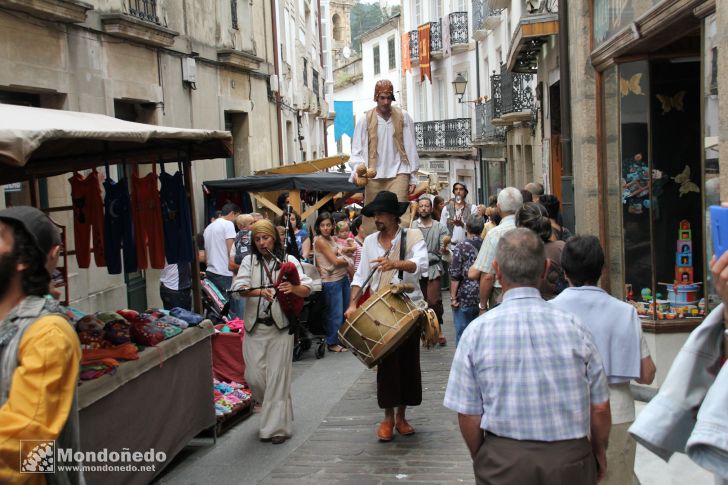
point(399, 185)
point(399, 381)
point(506, 461)
point(432, 291)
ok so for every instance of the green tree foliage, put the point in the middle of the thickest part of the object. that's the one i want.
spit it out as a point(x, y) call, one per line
point(364, 17)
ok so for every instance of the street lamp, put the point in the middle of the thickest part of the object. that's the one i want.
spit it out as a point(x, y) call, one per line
point(459, 84)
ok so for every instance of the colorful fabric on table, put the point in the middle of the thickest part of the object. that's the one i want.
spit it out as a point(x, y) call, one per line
point(118, 232)
point(188, 316)
point(176, 219)
point(88, 218)
point(73, 314)
point(126, 351)
point(147, 215)
point(175, 322)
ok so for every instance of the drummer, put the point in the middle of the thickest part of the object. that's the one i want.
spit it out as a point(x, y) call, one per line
point(399, 382)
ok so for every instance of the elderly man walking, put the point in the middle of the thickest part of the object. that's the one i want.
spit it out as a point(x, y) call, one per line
point(509, 201)
point(528, 383)
point(618, 334)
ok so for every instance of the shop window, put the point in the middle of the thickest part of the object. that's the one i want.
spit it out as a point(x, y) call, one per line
point(661, 185)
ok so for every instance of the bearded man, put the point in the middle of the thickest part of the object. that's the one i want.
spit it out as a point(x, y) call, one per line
point(39, 350)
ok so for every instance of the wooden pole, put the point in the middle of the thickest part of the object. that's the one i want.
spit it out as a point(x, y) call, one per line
point(196, 296)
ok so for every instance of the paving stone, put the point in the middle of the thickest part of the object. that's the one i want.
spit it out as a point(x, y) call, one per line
point(344, 448)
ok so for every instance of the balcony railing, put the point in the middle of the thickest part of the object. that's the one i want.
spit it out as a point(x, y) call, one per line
point(414, 44)
point(478, 8)
point(485, 131)
point(458, 28)
point(436, 36)
point(443, 135)
point(495, 95)
point(516, 91)
point(144, 9)
point(545, 7)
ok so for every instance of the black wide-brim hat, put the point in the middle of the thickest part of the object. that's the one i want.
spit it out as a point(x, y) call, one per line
point(385, 201)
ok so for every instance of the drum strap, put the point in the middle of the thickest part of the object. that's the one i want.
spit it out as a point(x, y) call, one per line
point(402, 250)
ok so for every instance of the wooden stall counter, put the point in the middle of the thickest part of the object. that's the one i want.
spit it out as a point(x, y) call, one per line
point(160, 401)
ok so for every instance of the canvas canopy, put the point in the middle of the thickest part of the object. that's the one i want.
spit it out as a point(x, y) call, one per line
point(319, 182)
point(44, 142)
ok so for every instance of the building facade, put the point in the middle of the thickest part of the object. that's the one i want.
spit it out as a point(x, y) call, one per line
point(354, 80)
point(438, 36)
point(186, 64)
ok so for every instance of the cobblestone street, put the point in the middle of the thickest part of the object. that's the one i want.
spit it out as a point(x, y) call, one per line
point(344, 449)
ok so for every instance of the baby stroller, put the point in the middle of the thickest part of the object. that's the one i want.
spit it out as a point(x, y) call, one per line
point(215, 304)
point(311, 329)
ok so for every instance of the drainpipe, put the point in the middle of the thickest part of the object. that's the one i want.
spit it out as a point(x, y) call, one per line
point(321, 63)
point(567, 176)
point(276, 69)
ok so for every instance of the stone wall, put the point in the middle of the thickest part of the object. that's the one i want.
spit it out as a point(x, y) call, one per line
point(81, 68)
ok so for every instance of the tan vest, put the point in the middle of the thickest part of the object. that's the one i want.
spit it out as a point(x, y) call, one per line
point(398, 122)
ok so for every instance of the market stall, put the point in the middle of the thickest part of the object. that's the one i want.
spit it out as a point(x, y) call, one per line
point(315, 189)
point(162, 396)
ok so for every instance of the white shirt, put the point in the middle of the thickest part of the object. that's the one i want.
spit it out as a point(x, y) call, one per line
point(389, 164)
point(621, 401)
point(170, 276)
point(458, 232)
point(373, 249)
point(216, 252)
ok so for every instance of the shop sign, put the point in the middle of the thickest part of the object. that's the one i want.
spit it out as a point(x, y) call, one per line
point(438, 166)
point(14, 187)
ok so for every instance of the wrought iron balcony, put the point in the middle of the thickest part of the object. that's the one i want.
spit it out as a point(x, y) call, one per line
point(495, 95)
point(516, 91)
point(443, 135)
point(485, 131)
point(458, 28)
point(144, 9)
point(486, 15)
point(436, 36)
point(478, 8)
point(414, 38)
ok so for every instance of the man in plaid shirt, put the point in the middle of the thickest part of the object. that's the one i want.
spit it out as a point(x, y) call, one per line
point(528, 383)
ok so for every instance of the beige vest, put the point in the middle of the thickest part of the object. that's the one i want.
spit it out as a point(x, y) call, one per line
point(398, 122)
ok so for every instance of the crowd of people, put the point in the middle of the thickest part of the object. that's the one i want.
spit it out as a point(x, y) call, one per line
point(540, 379)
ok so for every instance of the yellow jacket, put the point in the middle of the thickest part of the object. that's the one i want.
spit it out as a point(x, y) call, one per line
point(41, 392)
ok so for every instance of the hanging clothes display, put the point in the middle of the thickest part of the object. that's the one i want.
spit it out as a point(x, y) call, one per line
point(176, 218)
point(88, 218)
point(118, 227)
point(147, 214)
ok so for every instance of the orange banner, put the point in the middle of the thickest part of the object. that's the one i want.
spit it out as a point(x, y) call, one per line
point(423, 31)
point(406, 60)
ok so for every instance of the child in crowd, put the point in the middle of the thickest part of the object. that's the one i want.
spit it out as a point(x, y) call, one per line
point(347, 245)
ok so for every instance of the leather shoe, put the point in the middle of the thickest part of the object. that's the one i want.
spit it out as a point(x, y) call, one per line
point(404, 428)
point(277, 440)
point(385, 431)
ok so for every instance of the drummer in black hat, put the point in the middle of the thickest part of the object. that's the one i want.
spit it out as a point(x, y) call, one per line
point(393, 255)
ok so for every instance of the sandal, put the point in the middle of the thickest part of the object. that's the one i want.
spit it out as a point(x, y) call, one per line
point(337, 348)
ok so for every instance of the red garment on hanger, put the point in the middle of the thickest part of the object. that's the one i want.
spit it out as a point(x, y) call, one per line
point(147, 215)
point(88, 218)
